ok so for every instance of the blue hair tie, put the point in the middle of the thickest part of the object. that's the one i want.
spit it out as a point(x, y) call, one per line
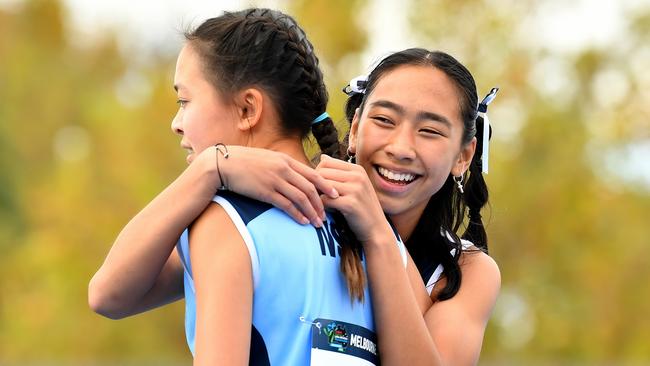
point(320, 118)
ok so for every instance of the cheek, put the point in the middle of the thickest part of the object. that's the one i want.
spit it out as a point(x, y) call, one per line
point(198, 130)
point(368, 141)
point(439, 163)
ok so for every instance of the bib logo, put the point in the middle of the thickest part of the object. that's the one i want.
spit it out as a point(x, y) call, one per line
point(347, 340)
point(337, 336)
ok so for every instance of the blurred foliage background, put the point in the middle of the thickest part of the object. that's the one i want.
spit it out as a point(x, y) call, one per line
point(85, 142)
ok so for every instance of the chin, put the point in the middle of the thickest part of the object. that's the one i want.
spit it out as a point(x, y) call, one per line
point(391, 206)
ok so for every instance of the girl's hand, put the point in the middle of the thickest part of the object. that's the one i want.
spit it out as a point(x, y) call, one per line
point(274, 178)
point(357, 199)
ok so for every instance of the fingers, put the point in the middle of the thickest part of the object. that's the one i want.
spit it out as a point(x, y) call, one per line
point(355, 189)
point(304, 197)
point(281, 202)
point(352, 177)
point(330, 162)
point(278, 179)
point(316, 179)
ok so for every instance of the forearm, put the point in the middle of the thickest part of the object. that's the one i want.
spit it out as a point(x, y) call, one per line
point(396, 308)
point(134, 264)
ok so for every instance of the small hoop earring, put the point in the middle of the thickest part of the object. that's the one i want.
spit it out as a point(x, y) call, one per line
point(459, 183)
point(351, 157)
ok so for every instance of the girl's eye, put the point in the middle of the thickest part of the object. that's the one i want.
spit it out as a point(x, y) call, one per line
point(429, 131)
point(383, 120)
point(181, 102)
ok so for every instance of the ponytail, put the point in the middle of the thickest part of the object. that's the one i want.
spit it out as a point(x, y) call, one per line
point(351, 255)
point(475, 197)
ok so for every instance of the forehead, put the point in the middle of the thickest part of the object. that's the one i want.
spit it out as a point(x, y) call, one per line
point(188, 66)
point(419, 88)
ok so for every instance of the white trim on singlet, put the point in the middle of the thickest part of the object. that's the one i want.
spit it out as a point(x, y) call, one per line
point(246, 236)
point(402, 251)
point(435, 277)
point(185, 238)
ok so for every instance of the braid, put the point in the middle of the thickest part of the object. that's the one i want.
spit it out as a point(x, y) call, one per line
point(325, 132)
point(351, 256)
point(476, 195)
point(327, 137)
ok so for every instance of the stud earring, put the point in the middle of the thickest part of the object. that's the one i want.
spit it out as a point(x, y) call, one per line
point(459, 183)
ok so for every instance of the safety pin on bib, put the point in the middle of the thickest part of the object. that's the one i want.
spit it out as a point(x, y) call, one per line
point(304, 320)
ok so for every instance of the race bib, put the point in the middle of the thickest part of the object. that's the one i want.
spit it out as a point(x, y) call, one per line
point(338, 343)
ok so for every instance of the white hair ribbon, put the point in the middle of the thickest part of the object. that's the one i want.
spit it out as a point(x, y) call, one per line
point(356, 86)
point(482, 111)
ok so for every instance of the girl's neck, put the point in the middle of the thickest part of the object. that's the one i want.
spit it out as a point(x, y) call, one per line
point(406, 222)
point(290, 146)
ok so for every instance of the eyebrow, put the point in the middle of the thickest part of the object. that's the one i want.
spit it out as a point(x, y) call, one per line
point(420, 115)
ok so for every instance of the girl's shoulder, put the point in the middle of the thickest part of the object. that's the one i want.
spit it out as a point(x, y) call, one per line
point(475, 261)
point(480, 273)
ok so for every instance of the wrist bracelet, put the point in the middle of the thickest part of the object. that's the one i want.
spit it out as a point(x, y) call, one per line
point(218, 147)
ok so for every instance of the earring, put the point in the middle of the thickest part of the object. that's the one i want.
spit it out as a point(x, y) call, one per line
point(459, 183)
point(351, 157)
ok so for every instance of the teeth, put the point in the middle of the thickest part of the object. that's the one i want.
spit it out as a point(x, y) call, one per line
point(401, 177)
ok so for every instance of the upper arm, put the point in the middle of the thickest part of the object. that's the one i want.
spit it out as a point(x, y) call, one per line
point(417, 285)
point(457, 325)
point(224, 290)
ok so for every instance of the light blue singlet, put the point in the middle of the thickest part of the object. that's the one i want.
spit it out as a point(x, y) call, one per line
point(302, 313)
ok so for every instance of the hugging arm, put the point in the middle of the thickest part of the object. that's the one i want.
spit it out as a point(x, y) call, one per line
point(142, 270)
point(445, 333)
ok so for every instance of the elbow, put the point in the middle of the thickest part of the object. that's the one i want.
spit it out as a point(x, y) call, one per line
point(103, 302)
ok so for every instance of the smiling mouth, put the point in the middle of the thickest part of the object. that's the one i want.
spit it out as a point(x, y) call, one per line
point(396, 177)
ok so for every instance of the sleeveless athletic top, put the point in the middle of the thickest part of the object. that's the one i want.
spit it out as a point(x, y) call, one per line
point(435, 275)
point(301, 305)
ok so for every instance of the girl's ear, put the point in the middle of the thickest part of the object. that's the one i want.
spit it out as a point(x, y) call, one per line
point(464, 158)
point(250, 104)
point(354, 128)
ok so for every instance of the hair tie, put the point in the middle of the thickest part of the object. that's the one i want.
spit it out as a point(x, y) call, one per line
point(482, 112)
point(320, 118)
point(356, 86)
